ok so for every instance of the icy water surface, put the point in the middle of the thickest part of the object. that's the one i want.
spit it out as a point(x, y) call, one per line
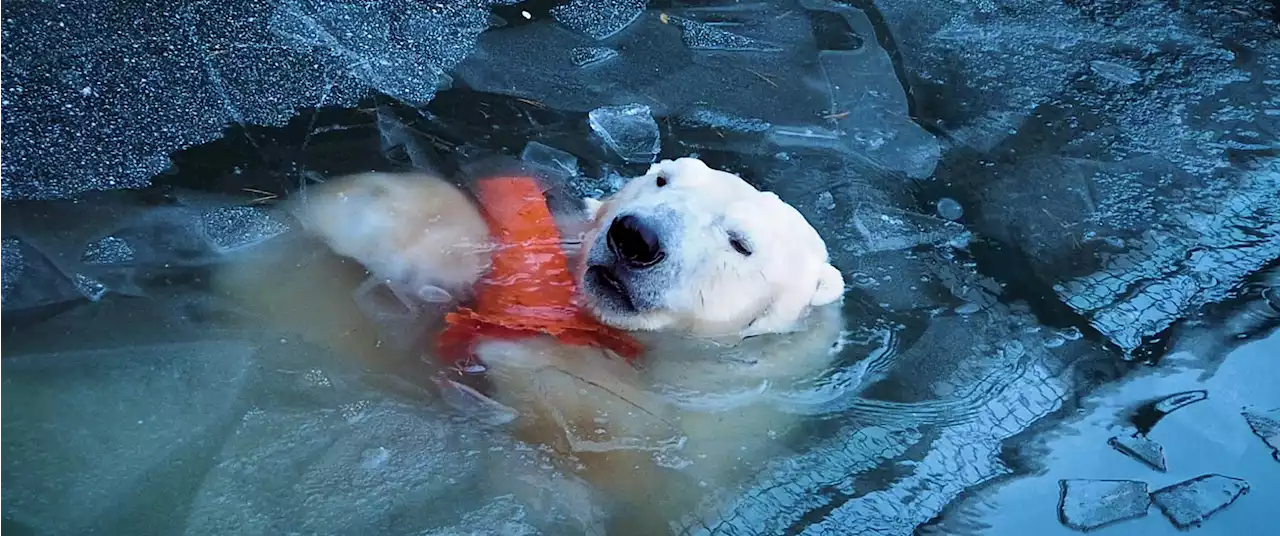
point(1059, 225)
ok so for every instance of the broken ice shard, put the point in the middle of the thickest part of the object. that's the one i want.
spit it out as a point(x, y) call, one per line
point(232, 228)
point(1141, 448)
point(1267, 426)
point(712, 118)
point(1178, 401)
point(869, 103)
point(702, 36)
point(588, 56)
point(1189, 503)
point(89, 287)
point(1115, 72)
point(551, 158)
point(167, 236)
point(885, 228)
point(31, 280)
point(1146, 417)
point(628, 130)
point(1089, 504)
point(598, 19)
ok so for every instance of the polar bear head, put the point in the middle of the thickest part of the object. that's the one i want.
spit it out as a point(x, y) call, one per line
point(691, 249)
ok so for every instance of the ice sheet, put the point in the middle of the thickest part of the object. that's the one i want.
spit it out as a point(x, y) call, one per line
point(128, 420)
point(1162, 134)
point(104, 108)
point(677, 59)
point(31, 280)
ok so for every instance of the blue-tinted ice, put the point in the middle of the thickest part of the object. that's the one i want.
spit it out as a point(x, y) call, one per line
point(1267, 426)
point(628, 131)
point(1190, 503)
point(1090, 180)
point(1091, 504)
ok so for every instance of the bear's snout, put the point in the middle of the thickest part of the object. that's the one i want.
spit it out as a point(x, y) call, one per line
point(635, 242)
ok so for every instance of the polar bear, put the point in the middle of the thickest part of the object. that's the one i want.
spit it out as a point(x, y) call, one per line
point(729, 289)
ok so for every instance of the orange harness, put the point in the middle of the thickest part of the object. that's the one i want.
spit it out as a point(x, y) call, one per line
point(529, 290)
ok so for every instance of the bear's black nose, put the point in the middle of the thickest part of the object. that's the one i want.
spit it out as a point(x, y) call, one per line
point(635, 242)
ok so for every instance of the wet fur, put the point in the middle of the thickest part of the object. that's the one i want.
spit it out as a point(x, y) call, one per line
point(561, 392)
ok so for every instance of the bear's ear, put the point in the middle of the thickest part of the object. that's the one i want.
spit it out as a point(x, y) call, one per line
point(592, 206)
point(830, 286)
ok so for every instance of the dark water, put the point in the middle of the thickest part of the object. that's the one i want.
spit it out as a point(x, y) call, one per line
point(1060, 226)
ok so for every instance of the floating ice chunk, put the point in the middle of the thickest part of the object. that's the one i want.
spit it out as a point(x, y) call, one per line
point(598, 19)
point(398, 141)
point(788, 136)
point(233, 228)
point(1090, 504)
point(550, 158)
point(379, 301)
point(702, 36)
point(89, 287)
point(1177, 401)
point(31, 280)
point(10, 263)
point(950, 209)
point(375, 458)
point(588, 56)
point(503, 515)
point(403, 52)
point(1267, 426)
point(826, 201)
point(112, 447)
point(707, 117)
point(1147, 415)
point(312, 469)
point(1189, 503)
point(712, 128)
point(1115, 72)
point(469, 401)
point(108, 250)
point(1141, 448)
point(869, 103)
point(628, 130)
point(883, 228)
point(168, 236)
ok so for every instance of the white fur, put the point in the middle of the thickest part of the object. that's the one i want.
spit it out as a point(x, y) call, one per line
point(413, 231)
point(616, 426)
point(724, 292)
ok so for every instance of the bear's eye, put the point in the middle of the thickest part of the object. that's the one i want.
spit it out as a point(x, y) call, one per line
point(740, 245)
point(661, 181)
